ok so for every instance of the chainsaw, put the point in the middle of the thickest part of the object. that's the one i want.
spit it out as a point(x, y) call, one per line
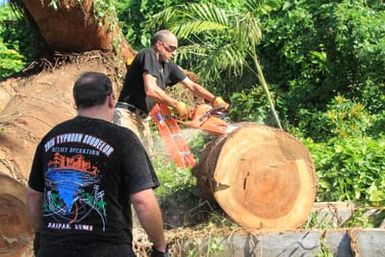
point(208, 119)
point(203, 117)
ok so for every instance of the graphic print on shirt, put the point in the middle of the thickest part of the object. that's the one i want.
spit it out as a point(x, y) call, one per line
point(72, 184)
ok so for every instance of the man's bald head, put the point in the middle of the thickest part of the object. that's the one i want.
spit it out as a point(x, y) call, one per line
point(164, 36)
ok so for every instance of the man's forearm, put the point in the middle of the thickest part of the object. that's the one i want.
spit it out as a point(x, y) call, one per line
point(161, 96)
point(198, 90)
point(153, 225)
point(153, 91)
point(204, 93)
point(34, 207)
point(150, 217)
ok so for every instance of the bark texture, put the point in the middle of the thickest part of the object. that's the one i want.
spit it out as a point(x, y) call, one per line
point(73, 27)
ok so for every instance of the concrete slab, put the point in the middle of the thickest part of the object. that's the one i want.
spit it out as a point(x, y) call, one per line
point(278, 244)
point(326, 215)
point(338, 242)
point(331, 214)
point(365, 242)
point(368, 243)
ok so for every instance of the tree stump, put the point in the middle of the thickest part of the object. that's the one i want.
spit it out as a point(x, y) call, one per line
point(261, 177)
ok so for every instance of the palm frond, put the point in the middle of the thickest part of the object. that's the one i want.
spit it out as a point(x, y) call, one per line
point(225, 59)
point(188, 19)
point(18, 7)
point(191, 52)
point(198, 18)
point(248, 31)
point(232, 58)
point(208, 12)
point(253, 5)
point(261, 7)
point(185, 30)
point(167, 16)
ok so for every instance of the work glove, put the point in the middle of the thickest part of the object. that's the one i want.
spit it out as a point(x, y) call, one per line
point(218, 101)
point(129, 61)
point(181, 109)
point(156, 253)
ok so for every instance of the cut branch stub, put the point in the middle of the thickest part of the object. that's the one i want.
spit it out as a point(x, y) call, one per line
point(261, 177)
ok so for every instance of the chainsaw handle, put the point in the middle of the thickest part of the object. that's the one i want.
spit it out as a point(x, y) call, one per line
point(216, 109)
point(213, 110)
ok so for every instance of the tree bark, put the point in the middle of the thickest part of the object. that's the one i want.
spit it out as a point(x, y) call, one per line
point(73, 28)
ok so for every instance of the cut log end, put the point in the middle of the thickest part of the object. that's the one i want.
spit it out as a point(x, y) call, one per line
point(261, 177)
point(15, 229)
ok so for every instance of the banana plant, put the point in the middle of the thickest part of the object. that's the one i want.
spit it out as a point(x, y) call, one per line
point(217, 40)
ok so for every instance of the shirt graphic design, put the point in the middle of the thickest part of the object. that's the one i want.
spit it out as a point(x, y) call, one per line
point(72, 192)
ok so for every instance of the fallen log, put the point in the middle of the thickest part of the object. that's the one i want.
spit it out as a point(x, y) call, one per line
point(261, 177)
point(73, 27)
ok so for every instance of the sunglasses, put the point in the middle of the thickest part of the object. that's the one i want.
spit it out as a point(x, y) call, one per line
point(169, 48)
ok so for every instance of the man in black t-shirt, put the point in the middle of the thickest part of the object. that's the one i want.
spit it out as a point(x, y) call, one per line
point(83, 181)
point(149, 74)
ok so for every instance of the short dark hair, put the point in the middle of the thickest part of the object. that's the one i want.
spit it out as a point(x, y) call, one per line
point(91, 89)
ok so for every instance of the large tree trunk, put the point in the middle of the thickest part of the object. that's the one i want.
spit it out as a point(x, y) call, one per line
point(261, 177)
point(31, 106)
point(73, 27)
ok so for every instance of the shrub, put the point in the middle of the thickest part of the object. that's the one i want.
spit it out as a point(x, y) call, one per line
point(350, 169)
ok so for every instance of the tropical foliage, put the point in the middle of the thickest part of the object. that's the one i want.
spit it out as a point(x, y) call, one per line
point(322, 63)
point(18, 40)
point(11, 59)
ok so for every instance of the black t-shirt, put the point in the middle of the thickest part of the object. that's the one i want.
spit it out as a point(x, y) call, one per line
point(167, 74)
point(87, 169)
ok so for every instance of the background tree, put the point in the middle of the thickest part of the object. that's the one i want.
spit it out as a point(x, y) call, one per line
point(326, 60)
point(17, 41)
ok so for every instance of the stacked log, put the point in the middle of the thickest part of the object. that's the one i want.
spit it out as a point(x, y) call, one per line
point(263, 178)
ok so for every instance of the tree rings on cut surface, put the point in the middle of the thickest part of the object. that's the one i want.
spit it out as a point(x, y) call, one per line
point(261, 177)
point(14, 223)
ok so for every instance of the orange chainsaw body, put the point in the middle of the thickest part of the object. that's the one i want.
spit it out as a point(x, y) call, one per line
point(170, 132)
point(202, 117)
